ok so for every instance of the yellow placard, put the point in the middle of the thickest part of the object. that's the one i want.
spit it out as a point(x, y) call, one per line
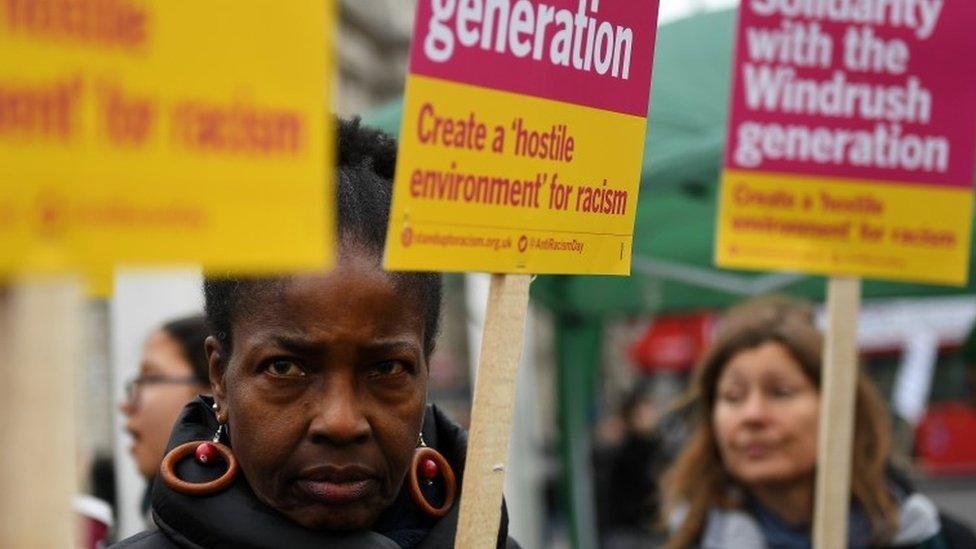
point(844, 227)
point(475, 198)
point(136, 132)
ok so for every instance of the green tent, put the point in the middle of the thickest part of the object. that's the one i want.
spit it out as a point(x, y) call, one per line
point(672, 262)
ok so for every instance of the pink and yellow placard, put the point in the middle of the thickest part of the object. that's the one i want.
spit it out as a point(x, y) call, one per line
point(184, 132)
point(851, 139)
point(522, 136)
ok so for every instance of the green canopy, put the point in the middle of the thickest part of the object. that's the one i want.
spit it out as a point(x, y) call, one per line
point(674, 233)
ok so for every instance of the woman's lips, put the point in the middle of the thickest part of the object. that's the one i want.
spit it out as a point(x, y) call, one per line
point(756, 450)
point(338, 485)
point(134, 435)
point(333, 492)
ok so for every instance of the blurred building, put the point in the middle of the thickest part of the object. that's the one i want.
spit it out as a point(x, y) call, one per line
point(374, 46)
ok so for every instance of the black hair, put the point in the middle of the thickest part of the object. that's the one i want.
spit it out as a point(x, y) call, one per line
point(190, 333)
point(366, 162)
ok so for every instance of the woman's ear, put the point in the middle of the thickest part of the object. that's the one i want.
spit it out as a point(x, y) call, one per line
point(218, 367)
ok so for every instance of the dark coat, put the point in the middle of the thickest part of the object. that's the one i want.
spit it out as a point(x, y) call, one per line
point(235, 517)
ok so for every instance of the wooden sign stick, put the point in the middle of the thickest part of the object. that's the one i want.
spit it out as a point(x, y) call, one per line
point(837, 412)
point(491, 412)
point(41, 340)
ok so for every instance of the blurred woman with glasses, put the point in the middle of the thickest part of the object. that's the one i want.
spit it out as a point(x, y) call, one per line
point(173, 371)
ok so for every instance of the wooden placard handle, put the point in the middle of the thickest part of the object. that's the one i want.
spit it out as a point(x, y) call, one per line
point(837, 410)
point(40, 340)
point(491, 412)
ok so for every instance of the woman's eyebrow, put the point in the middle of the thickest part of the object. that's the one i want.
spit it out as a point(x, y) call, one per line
point(149, 367)
point(299, 344)
point(393, 345)
point(730, 374)
point(295, 344)
point(778, 378)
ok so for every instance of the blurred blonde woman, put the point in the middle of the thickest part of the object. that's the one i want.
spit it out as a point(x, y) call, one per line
point(746, 477)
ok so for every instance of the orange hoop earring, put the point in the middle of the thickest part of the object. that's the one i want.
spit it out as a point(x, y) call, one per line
point(205, 453)
point(429, 463)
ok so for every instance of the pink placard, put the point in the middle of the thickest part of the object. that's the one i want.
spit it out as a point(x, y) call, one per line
point(596, 53)
point(885, 92)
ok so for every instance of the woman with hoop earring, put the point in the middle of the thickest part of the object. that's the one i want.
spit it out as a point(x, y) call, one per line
point(318, 433)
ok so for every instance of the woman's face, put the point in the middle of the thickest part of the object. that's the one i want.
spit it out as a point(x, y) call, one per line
point(164, 386)
point(765, 417)
point(324, 393)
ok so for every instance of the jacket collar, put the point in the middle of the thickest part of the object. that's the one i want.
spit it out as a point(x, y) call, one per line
point(918, 522)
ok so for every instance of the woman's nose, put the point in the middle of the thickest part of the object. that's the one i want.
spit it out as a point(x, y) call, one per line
point(755, 409)
point(338, 417)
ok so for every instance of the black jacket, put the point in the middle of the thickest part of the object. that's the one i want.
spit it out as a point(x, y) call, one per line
point(235, 518)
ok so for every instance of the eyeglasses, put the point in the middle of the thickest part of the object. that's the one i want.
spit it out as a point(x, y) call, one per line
point(133, 388)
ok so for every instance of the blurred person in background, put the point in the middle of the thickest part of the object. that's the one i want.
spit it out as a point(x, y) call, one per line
point(968, 355)
point(747, 473)
point(174, 370)
point(319, 433)
point(628, 490)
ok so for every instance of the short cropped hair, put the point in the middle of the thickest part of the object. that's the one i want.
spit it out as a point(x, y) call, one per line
point(366, 164)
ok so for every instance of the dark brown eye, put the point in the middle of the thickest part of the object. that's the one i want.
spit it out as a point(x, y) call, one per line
point(389, 368)
point(284, 368)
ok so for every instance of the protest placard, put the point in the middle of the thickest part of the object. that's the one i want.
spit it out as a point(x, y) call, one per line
point(520, 148)
point(162, 133)
point(851, 139)
point(523, 131)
